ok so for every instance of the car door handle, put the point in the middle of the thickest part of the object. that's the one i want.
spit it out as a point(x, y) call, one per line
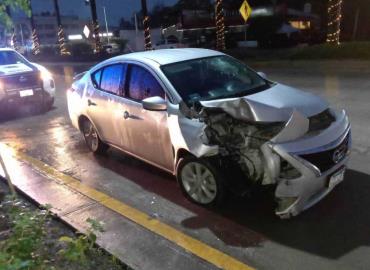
point(90, 103)
point(126, 115)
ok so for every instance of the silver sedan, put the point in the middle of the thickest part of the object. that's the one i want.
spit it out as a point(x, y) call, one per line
point(214, 123)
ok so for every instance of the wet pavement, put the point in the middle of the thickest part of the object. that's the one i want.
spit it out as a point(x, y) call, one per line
point(335, 234)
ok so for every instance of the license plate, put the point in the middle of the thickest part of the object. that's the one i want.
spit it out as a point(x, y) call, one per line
point(336, 178)
point(26, 93)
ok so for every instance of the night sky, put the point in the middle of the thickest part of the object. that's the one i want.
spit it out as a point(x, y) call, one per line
point(115, 9)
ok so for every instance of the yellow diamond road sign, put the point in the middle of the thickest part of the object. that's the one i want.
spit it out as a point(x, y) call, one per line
point(245, 10)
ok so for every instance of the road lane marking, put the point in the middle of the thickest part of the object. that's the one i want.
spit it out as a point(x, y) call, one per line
point(190, 244)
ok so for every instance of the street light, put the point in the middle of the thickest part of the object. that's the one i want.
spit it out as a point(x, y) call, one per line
point(106, 24)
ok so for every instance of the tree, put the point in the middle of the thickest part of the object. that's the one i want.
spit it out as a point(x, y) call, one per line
point(6, 5)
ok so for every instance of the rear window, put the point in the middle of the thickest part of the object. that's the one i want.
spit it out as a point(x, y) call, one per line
point(11, 58)
point(110, 78)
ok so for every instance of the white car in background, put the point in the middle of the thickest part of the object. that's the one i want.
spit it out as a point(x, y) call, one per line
point(24, 83)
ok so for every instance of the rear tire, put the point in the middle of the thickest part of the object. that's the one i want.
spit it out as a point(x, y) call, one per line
point(93, 142)
point(200, 181)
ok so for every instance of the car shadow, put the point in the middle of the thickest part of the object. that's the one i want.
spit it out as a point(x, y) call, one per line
point(336, 226)
point(23, 112)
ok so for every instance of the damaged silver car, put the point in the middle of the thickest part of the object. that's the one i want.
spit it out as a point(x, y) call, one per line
point(214, 123)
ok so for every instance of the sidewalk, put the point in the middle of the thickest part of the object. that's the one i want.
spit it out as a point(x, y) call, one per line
point(140, 241)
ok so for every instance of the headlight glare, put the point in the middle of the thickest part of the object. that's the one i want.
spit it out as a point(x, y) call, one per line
point(45, 75)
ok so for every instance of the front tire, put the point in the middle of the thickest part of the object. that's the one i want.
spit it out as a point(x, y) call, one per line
point(92, 139)
point(200, 181)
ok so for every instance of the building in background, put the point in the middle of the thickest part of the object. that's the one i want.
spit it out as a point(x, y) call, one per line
point(47, 28)
point(268, 26)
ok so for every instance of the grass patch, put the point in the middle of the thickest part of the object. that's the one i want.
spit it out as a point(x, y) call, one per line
point(30, 239)
point(348, 50)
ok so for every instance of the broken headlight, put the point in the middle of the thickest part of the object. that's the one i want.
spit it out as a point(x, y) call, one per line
point(287, 171)
point(285, 202)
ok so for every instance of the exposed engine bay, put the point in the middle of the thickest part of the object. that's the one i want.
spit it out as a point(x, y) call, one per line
point(239, 141)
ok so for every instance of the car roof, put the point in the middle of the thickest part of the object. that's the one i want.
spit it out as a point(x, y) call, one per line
point(7, 49)
point(168, 56)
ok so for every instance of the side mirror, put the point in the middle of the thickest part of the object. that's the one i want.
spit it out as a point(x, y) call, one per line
point(262, 74)
point(154, 104)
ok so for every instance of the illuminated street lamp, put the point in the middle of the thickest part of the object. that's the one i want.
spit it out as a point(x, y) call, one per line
point(61, 39)
point(147, 38)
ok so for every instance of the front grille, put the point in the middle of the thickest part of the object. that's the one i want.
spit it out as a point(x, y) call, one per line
point(325, 160)
point(320, 121)
point(21, 81)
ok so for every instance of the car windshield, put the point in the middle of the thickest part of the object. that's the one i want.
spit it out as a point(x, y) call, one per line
point(213, 78)
point(10, 58)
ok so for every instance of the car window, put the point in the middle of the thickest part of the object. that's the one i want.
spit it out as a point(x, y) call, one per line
point(96, 78)
point(112, 78)
point(11, 58)
point(142, 84)
point(213, 78)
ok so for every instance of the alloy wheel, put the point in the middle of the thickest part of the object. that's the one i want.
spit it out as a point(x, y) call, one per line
point(199, 182)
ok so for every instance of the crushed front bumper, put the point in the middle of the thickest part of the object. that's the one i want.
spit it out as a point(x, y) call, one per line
point(299, 194)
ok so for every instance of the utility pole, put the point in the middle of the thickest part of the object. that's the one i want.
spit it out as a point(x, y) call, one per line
point(61, 39)
point(106, 24)
point(147, 38)
point(13, 38)
point(35, 38)
point(95, 24)
point(355, 25)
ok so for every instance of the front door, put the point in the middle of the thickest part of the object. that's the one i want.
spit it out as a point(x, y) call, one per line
point(145, 133)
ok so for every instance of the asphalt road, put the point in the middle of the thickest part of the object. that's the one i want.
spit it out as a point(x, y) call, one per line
point(335, 234)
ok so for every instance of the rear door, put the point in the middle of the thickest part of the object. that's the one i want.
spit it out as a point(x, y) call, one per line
point(104, 101)
point(145, 132)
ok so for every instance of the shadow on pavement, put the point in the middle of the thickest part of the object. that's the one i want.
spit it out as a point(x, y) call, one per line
point(23, 112)
point(337, 225)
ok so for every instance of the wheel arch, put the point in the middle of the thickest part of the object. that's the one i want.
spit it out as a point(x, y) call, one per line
point(181, 153)
point(83, 118)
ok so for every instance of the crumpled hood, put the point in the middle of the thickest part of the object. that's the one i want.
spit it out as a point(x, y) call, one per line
point(14, 69)
point(275, 104)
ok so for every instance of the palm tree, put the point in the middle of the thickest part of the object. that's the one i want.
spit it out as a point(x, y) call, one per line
point(147, 38)
point(95, 23)
point(61, 38)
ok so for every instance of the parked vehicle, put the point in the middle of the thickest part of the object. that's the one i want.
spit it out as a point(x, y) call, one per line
point(111, 48)
point(169, 44)
point(24, 83)
point(214, 123)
